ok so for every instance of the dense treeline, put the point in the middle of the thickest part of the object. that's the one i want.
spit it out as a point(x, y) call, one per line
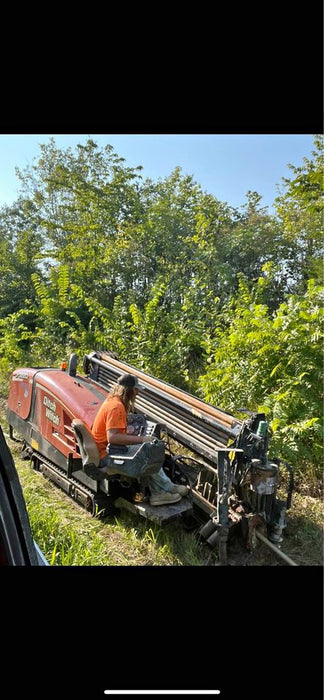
point(224, 303)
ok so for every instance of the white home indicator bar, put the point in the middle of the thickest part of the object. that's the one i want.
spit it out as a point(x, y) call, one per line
point(162, 692)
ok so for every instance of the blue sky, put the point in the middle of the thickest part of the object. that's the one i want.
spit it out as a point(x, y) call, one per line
point(225, 165)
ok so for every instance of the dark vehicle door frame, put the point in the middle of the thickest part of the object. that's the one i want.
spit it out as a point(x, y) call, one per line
point(17, 547)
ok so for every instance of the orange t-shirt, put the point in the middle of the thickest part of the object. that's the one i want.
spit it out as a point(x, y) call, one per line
point(111, 414)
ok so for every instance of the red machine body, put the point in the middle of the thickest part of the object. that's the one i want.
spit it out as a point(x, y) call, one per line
point(49, 400)
point(42, 404)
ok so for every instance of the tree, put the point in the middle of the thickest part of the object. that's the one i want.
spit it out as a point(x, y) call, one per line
point(300, 213)
point(20, 256)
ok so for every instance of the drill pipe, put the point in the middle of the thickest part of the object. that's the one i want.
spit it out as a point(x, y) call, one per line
point(189, 399)
point(275, 549)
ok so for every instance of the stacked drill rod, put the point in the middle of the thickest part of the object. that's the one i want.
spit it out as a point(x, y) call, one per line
point(202, 428)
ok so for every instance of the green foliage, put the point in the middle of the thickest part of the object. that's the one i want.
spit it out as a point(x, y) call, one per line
point(20, 246)
point(273, 363)
point(214, 300)
point(300, 213)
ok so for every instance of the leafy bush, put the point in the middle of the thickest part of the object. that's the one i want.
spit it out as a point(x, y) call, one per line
point(273, 363)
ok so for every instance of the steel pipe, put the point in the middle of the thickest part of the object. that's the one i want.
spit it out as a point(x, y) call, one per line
point(275, 549)
point(202, 406)
point(108, 375)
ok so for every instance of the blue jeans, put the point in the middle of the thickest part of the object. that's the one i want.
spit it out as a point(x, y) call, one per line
point(156, 482)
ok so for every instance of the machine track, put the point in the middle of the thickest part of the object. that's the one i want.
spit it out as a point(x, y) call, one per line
point(80, 494)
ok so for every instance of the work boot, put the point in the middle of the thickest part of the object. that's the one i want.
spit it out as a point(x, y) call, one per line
point(179, 488)
point(164, 498)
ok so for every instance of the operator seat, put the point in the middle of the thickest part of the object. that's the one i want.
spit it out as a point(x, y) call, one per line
point(88, 450)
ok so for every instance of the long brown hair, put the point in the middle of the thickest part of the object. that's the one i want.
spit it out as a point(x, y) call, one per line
point(126, 394)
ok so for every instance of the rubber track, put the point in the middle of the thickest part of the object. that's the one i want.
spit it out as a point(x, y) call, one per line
point(73, 482)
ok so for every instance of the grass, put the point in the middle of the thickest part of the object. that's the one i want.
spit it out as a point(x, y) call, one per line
point(304, 532)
